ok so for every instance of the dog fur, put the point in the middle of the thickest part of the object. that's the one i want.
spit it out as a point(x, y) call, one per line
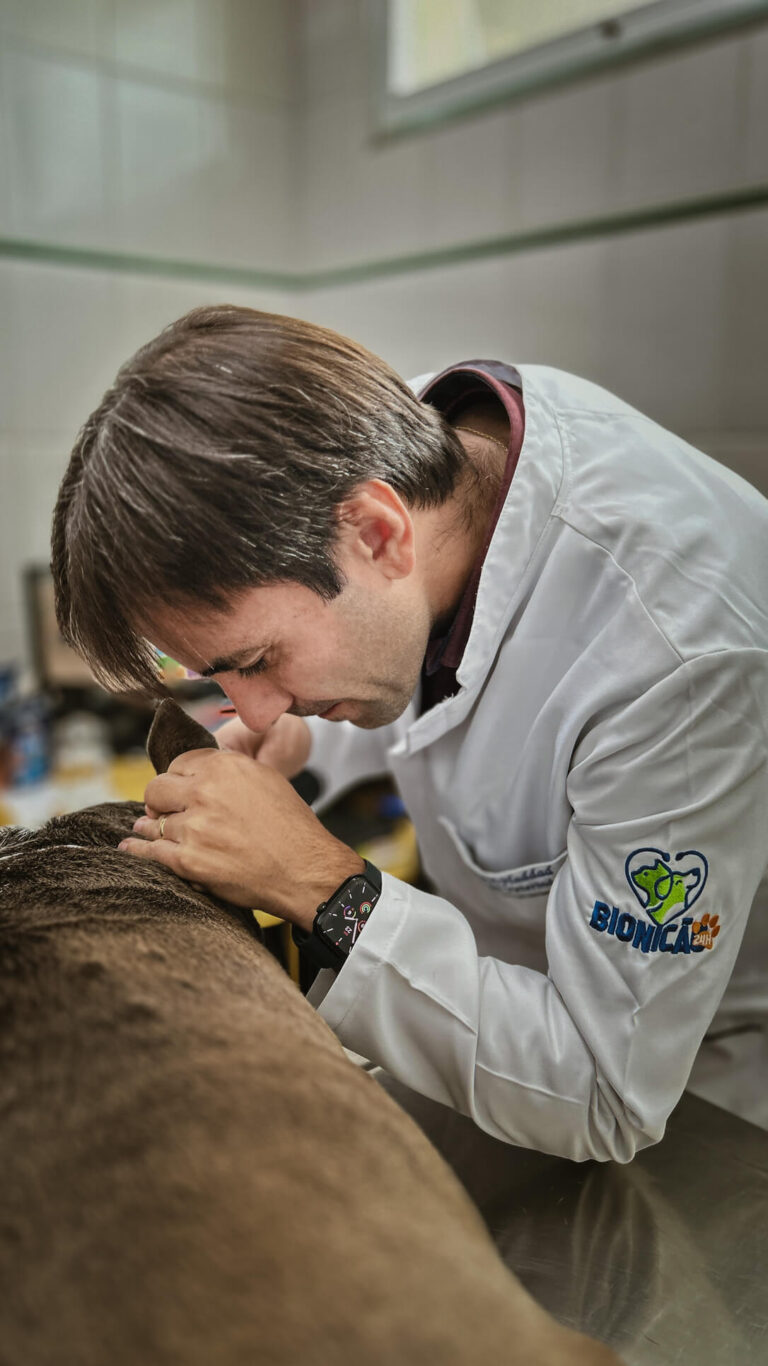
point(192, 1171)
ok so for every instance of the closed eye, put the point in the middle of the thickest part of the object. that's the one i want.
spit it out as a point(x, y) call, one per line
point(252, 669)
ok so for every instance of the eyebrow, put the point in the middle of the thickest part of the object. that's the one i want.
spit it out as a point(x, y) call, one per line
point(230, 662)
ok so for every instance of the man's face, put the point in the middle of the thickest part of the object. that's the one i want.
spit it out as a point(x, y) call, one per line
point(356, 658)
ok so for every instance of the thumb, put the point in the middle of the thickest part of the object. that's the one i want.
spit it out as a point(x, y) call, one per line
point(286, 745)
point(270, 750)
point(234, 736)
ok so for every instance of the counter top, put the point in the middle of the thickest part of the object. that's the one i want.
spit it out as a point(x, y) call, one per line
point(665, 1259)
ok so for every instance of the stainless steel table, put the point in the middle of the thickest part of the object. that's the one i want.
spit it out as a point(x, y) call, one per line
point(666, 1258)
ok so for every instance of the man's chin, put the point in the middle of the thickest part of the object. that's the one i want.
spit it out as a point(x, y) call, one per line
point(373, 715)
point(368, 715)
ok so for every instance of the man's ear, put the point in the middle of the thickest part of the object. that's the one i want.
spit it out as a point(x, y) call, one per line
point(376, 518)
point(173, 733)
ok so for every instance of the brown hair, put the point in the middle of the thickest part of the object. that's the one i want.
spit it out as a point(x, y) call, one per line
point(216, 462)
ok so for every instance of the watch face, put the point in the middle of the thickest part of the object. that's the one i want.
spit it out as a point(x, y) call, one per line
point(344, 917)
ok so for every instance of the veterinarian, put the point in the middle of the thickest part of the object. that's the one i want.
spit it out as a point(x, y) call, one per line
point(544, 615)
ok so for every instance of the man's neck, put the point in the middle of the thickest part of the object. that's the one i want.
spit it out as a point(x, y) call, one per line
point(486, 415)
point(453, 534)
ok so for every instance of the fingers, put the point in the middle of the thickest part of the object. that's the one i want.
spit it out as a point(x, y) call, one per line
point(159, 827)
point(286, 746)
point(168, 792)
point(234, 736)
point(269, 752)
point(159, 851)
point(189, 763)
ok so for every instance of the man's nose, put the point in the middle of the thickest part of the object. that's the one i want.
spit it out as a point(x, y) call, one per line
point(258, 702)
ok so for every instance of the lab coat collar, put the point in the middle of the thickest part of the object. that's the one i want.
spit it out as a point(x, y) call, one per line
point(530, 503)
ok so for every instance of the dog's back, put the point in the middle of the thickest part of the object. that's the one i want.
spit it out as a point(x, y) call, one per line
point(193, 1172)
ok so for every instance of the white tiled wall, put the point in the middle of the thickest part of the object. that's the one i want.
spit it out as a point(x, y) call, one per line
point(238, 132)
point(55, 173)
point(684, 124)
point(64, 334)
point(151, 127)
point(672, 317)
point(80, 27)
point(156, 127)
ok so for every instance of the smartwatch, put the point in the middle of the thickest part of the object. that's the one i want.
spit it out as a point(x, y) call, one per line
point(340, 920)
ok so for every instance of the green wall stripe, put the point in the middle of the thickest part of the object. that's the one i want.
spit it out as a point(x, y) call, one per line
point(559, 234)
point(94, 258)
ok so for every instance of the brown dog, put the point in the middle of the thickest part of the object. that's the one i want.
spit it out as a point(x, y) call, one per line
point(192, 1170)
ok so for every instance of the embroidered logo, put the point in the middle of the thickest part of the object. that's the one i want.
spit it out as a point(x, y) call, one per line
point(666, 889)
point(704, 932)
point(666, 892)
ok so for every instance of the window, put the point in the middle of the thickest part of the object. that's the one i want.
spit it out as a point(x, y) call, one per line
point(435, 58)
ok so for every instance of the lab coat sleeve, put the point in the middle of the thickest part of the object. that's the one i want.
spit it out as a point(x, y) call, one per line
point(588, 1060)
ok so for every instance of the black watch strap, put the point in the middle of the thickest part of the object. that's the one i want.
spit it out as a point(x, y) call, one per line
point(340, 920)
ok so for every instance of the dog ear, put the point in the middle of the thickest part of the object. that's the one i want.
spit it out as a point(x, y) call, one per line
point(173, 733)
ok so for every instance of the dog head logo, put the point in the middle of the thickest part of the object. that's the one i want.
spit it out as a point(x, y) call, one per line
point(666, 887)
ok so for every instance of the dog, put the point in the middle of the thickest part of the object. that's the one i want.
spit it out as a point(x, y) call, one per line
point(192, 1170)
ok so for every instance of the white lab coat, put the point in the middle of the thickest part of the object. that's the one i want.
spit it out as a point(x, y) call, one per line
point(613, 710)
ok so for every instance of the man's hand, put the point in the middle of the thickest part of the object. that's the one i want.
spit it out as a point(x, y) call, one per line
point(284, 746)
point(239, 828)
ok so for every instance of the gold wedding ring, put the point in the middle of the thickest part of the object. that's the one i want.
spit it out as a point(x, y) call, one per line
point(163, 819)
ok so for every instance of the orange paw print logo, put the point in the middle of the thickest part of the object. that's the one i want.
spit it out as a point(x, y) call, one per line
point(704, 932)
